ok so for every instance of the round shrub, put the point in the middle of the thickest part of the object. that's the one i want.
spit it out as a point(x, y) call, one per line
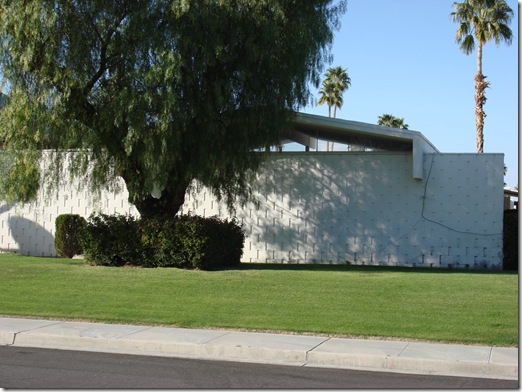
point(67, 238)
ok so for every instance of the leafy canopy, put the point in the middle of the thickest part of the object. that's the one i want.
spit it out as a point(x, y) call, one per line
point(157, 92)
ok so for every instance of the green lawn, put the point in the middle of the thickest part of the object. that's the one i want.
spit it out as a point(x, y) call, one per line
point(426, 304)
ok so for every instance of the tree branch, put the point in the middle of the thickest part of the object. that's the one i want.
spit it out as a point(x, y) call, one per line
point(104, 60)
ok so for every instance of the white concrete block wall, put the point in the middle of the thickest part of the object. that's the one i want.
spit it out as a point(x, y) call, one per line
point(29, 228)
point(366, 208)
point(359, 208)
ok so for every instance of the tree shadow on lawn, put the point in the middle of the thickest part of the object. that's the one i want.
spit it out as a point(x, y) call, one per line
point(362, 268)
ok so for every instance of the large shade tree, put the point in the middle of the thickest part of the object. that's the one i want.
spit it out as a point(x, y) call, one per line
point(156, 92)
point(481, 21)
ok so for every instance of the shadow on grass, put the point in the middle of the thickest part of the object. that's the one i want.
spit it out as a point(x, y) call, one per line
point(363, 268)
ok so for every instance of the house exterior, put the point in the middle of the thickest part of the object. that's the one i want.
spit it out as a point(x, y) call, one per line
point(390, 198)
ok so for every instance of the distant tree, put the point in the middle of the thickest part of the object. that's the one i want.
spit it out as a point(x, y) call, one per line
point(335, 83)
point(156, 92)
point(328, 95)
point(481, 21)
point(341, 81)
point(389, 120)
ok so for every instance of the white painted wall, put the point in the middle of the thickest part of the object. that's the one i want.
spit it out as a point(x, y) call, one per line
point(361, 208)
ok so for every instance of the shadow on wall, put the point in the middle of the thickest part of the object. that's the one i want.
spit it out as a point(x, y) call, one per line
point(27, 237)
point(328, 208)
point(366, 208)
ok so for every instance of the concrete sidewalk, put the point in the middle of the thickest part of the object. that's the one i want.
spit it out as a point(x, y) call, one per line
point(381, 355)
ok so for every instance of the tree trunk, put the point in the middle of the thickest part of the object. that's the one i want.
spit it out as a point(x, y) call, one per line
point(167, 206)
point(480, 99)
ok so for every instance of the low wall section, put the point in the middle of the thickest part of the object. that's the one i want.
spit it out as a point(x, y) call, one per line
point(358, 208)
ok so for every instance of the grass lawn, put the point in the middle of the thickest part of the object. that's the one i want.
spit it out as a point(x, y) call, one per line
point(425, 304)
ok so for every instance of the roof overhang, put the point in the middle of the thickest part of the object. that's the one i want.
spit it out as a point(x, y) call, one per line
point(307, 129)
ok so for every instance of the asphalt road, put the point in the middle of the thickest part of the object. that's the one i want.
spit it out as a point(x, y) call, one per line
point(35, 368)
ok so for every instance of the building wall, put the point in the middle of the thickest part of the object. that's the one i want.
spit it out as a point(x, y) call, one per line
point(359, 208)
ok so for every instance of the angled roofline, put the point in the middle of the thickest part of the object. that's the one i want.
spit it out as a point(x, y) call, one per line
point(307, 129)
point(339, 129)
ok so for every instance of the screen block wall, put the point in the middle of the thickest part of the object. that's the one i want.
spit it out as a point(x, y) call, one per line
point(358, 208)
point(366, 208)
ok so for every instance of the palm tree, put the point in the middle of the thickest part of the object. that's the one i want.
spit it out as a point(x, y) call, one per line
point(339, 77)
point(335, 83)
point(328, 95)
point(389, 120)
point(481, 21)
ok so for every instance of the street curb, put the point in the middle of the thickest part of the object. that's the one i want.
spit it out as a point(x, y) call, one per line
point(295, 350)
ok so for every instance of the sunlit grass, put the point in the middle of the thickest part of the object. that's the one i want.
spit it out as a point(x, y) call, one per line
point(436, 305)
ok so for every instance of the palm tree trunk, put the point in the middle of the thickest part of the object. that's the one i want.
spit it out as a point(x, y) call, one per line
point(480, 99)
point(329, 115)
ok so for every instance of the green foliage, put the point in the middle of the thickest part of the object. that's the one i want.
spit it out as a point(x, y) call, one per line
point(111, 240)
point(143, 92)
point(183, 242)
point(389, 120)
point(335, 83)
point(481, 21)
point(68, 234)
point(511, 254)
point(13, 168)
point(224, 245)
point(170, 243)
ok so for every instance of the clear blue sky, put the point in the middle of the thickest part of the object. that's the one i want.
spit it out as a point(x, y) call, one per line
point(402, 59)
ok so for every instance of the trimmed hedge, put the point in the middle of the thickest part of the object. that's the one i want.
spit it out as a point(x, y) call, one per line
point(510, 240)
point(67, 238)
point(184, 242)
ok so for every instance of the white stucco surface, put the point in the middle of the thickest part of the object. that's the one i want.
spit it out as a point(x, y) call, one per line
point(359, 208)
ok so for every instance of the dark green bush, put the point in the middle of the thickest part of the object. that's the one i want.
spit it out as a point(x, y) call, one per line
point(69, 228)
point(165, 243)
point(511, 240)
point(111, 240)
point(224, 244)
point(191, 242)
point(184, 242)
